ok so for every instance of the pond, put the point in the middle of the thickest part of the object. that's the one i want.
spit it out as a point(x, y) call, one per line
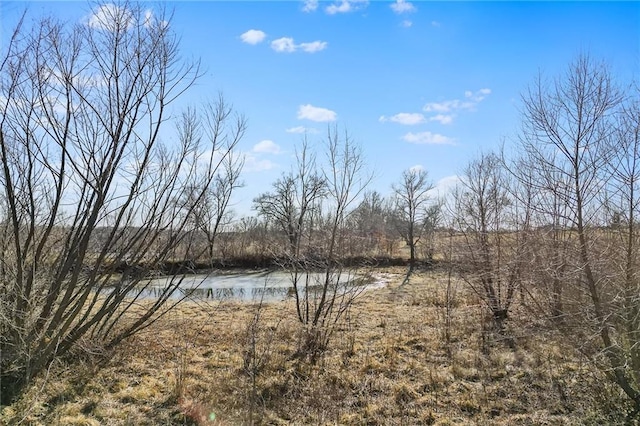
point(247, 287)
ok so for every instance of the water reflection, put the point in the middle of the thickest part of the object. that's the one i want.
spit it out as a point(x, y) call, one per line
point(240, 293)
point(247, 287)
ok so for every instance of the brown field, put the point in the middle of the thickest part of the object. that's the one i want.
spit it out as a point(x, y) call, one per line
point(387, 364)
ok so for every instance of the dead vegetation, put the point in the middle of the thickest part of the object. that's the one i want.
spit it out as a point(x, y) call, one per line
point(231, 363)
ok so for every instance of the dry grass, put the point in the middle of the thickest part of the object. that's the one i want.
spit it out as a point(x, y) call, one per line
point(388, 365)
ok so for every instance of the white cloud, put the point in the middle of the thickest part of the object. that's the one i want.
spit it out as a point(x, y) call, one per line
point(417, 168)
point(310, 6)
point(481, 94)
point(472, 99)
point(343, 7)
point(406, 118)
point(110, 17)
point(476, 97)
point(448, 182)
point(314, 46)
point(287, 45)
point(444, 187)
point(297, 129)
point(346, 6)
point(301, 130)
point(318, 114)
point(284, 44)
point(428, 138)
point(255, 164)
point(406, 23)
point(267, 146)
point(253, 37)
point(443, 112)
point(402, 6)
point(150, 20)
point(445, 106)
point(442, 118)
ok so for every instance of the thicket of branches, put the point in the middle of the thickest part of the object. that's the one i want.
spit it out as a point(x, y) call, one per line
point(311, 206)
point(556, 220)
point(87, 185)
point(580, 140)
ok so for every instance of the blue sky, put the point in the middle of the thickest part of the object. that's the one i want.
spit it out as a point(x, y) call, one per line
point(427, 84)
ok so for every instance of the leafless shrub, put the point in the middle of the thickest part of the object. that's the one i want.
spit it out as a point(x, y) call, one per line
point(311, 207)
point(493, 233)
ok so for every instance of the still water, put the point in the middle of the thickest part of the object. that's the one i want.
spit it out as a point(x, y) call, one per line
point(247, 287)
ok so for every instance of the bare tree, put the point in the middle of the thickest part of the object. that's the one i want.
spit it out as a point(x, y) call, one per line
point(321, 309)
point(415, 214)
point(293, 197)
point(569, 130)
point(553, 240)
point(312, 206)
point(250, 239)
point(371, 223)
point(487, 217)
point(625, 195)
point(290, 207)
point(91, 195)
point(222, 128)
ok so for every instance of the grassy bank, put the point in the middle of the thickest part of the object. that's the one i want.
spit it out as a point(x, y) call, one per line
point(389, 363)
